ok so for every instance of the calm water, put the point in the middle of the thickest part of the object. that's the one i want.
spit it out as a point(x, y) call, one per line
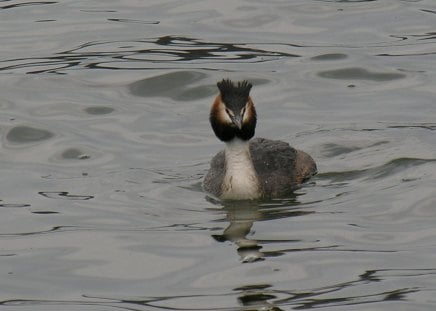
point(105, 139)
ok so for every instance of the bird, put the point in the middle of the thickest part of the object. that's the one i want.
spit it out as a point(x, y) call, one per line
point(250, 169)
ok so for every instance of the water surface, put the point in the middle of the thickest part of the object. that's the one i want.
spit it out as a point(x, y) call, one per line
point(105, 140)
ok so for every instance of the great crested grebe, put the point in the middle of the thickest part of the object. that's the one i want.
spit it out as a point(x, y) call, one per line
point(250, 169)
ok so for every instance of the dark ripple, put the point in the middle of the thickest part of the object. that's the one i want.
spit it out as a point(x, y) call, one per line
point(51, 230)
point(332, 150)
point(330, 56)
point(13, 205)
point(144, 53)
point(44, 212)
point(27, 134)
point(360, 291)
point(99, 110)
point(74, 153)
point(428, 11)
point(397, 165)
point(261, 297)
point(64, 195)
point(29, 3)
point(162, 85)
point(425, 126)
point(175, 85)
point(357, 73)
point(134, 21)
point(390, 168)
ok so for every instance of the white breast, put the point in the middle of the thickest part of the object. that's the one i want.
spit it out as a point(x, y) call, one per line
point(240, 180)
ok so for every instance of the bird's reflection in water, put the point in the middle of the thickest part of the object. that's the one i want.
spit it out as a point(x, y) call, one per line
point(241, 216)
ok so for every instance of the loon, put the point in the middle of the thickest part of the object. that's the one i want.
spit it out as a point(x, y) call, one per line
point(250, 169)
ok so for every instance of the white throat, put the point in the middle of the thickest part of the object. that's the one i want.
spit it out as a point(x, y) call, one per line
point(240, 180)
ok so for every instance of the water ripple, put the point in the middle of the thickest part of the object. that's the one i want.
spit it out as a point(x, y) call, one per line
point(101, 187)
point(26, 134)
point(392, 167)
point(142, 54)
point(355, 73)
point(135, 21)
point(30, 3)
point(264, 296)
point(50, 230)
point(64, 195)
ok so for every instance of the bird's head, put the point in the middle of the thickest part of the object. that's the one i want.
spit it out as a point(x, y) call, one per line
point(233, 114)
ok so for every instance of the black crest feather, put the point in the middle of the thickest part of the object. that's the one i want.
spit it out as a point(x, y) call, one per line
point(234, 93)
point(241, 88)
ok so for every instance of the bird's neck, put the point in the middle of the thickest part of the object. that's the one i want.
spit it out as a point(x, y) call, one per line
point(240, 181)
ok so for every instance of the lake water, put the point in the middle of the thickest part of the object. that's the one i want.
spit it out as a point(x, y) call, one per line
point(105, 140)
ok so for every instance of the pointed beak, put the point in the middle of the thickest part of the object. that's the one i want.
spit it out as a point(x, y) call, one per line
point(237, 121)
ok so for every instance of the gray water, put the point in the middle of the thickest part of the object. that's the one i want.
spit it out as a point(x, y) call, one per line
point(105, 140)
